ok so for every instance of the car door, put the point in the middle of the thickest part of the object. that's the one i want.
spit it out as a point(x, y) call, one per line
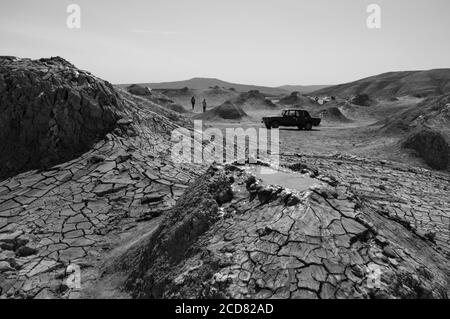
point(286, 118)
point(292, 121)
point(300, 119)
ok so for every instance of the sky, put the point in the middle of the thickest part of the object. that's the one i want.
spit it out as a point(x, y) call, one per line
point(261, 42)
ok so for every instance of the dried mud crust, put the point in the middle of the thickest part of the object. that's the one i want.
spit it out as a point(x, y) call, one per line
point(78, 211)
point(51, 112)
point(270, 242)
point(81, 211)
point(417, 198)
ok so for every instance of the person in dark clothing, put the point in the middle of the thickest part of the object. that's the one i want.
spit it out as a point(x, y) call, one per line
point(193, 102)
point(204, 105)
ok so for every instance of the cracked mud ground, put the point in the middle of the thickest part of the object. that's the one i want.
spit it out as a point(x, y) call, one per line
point(268, 242)
point(140, 225)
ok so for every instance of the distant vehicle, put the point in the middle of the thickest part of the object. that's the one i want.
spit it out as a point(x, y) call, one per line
point(298, 118)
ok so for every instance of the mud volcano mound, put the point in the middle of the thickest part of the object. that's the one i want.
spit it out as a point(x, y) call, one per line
point(173, 93)
point(176, 107)
point(225, 111)
point(253, 100)
point(361, 99)
point(295, 98)
point(433, 112)
point(139, 90)
point(156, 97)
point(431, 146)
point(333, 114)
point(425, 128)
point(50, 111)
point(217, 90)
point(216, 95)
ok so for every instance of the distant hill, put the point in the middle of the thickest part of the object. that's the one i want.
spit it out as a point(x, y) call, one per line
point(304, 89)
point(214, 96)
point(205, 83)
point(391, 84)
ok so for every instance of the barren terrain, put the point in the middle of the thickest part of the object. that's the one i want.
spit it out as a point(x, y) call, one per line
point(96, 186)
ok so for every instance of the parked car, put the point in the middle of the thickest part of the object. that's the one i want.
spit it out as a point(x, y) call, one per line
point(298, 118)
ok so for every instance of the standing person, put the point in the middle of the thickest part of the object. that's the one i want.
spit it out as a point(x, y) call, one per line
point(204, 105)
point(193, 102)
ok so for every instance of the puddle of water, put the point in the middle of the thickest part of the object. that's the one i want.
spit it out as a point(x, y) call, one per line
point(290, 180)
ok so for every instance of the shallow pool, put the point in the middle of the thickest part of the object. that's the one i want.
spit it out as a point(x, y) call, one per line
point(290, 180)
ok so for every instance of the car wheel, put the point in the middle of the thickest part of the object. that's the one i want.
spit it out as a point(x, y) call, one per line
point(274, 124)
point(308, 126)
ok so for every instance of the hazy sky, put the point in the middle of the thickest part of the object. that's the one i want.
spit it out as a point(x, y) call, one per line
point(266, 42)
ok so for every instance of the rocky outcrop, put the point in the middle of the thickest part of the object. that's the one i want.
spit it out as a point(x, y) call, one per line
point(431, 146)
point(139, 90)
point(50, 112)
